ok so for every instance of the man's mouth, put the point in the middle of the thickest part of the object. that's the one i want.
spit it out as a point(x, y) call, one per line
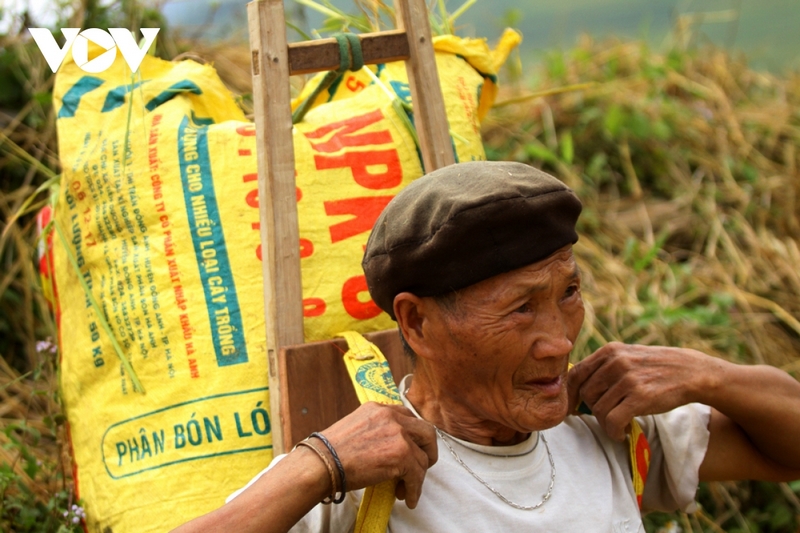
point(549, 386)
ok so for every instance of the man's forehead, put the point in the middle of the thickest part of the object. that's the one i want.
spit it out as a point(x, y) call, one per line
point(559, 261)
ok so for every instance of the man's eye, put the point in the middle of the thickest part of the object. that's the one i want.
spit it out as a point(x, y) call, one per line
point(524, 308)
point(572, 289)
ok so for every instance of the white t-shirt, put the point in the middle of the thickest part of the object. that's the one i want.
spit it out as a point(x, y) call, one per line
point(592, 492)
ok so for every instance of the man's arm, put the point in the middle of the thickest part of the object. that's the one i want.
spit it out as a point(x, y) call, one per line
point(375, 443)
point(275, 502)
point(755, 419)
point(754, 426)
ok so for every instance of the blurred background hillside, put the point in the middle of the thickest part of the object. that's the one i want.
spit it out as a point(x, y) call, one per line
point(681, 139)
point(766, 31)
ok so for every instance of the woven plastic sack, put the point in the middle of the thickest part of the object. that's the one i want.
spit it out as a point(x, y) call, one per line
point(156, 265)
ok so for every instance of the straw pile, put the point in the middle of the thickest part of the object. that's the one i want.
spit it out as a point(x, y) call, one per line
point(688, 168)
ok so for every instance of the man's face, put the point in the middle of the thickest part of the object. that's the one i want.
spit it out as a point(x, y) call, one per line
point(505, 344)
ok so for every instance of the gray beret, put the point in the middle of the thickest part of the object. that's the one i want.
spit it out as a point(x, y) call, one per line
point(466, 223)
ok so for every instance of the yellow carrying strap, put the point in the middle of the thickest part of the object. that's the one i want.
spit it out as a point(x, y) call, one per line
point(373, 382)
point(639, 450)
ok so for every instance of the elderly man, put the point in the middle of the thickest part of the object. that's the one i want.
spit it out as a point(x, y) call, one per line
point(474, 262)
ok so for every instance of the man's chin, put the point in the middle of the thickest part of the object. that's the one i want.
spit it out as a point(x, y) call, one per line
point(546, 415)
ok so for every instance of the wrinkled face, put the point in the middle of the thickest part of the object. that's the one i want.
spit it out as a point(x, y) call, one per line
point(505, 344)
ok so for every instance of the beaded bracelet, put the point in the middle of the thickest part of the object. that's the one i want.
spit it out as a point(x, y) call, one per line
point(328, 499)
point(336, 460)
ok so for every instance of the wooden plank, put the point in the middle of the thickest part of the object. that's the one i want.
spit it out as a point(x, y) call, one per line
point(316, 388)
point(430, 117)
point(280, 249)
point(323, 54)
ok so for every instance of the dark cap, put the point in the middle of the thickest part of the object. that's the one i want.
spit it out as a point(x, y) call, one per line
point(466, 223)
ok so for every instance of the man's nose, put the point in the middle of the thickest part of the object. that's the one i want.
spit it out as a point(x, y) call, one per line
point(553, 340)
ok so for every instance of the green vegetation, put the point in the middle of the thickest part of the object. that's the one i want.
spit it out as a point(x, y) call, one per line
point(687, 163)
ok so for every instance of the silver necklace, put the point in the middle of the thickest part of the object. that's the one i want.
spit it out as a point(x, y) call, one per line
point(497, 492)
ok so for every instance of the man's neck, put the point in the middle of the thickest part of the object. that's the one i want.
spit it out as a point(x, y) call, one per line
point(448, 413)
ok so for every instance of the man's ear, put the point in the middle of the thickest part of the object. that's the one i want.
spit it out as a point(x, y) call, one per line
point(413, 318)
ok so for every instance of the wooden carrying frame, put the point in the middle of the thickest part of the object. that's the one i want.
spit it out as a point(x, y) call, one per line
point(273, 61)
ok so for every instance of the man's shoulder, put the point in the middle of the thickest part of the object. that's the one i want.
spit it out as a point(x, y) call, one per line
point(582, 433)
point(682, 418)
point(580, 427)
point(583, 440)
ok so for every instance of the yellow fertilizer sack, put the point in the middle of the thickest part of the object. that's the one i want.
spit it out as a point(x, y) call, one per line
point(156, 265)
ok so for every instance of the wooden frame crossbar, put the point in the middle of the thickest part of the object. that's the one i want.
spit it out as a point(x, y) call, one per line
point(315, 56)
point(273, 61)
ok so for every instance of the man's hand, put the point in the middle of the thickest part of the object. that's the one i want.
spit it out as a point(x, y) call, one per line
point(377, 443)
point(621, 381)
point(755, 416)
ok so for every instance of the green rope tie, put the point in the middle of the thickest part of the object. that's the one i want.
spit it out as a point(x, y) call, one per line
point(350, 58)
